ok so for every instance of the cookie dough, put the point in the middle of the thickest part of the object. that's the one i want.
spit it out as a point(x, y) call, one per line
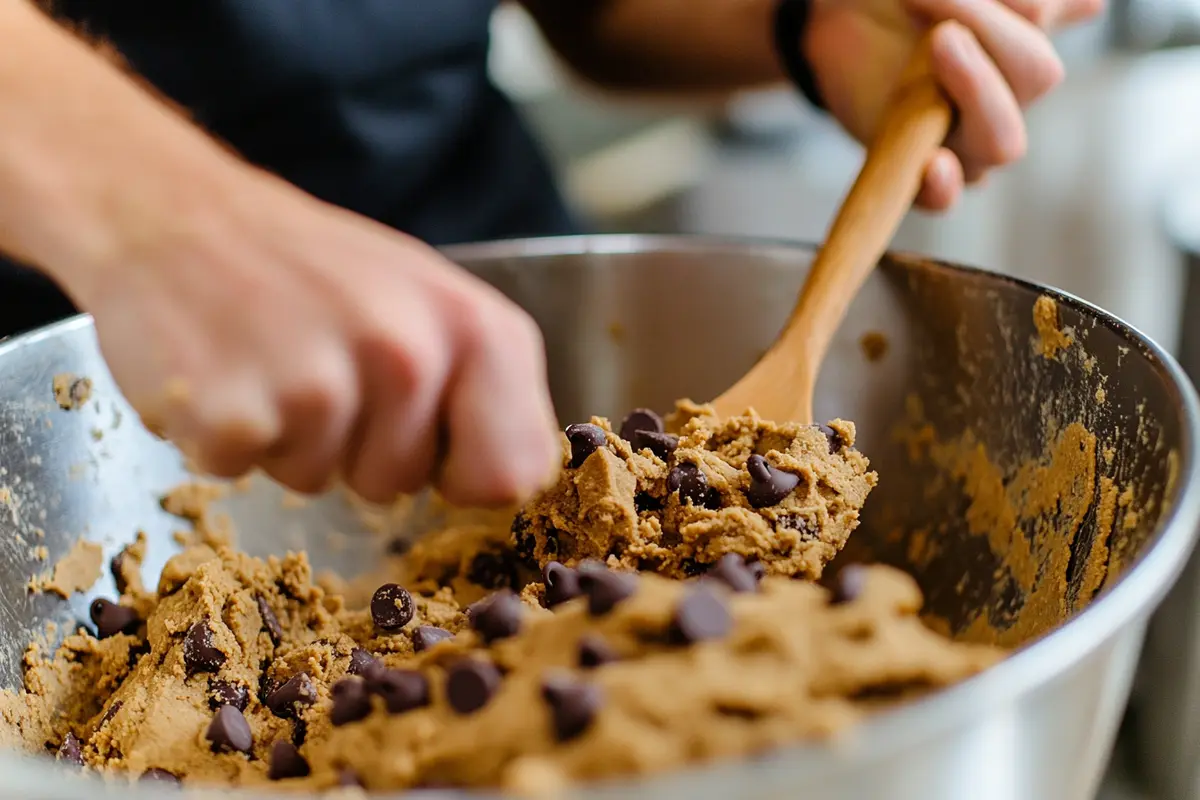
point(638, 617)
point(641, 497)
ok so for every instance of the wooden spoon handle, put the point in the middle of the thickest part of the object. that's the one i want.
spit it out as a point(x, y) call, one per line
point(910, 133)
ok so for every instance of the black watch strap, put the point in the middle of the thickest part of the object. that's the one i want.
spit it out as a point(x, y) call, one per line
point(791, 18)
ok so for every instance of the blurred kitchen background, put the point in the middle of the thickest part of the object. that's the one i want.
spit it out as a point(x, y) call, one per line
point(1104, 206)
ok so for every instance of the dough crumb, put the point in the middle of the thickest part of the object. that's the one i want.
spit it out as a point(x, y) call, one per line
point(71, 392)
point(77, 571)
point(1050, 337)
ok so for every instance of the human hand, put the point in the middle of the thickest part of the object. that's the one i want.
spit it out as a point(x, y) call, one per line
point(271, 330)
point(993, 60)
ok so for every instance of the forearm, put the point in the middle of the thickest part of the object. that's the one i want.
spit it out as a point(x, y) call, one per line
point(664, 45)
point(89, 160)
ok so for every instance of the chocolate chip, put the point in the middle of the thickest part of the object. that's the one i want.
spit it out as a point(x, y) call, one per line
point(836, 442)
point(604, 587)
point(199, 654)
point(850, 584)
point(399, 546)
point(426, 636)
point(500, 617)
point(360, 662)
point(402, 690)
point(270, 621)
point(470, 684)
point(229, 732)
point(154, 774)
point(493, 571)
point(768, 485)
point(640, 420)
point(392, 607)
point(524, 542)
point(595, 652)
point(286, 762)
point(562, 584)
point(757, 569)
point(732, 570)
point(71, 750)
point(112, 619)
point(699, 616)
point(298, 690)
point(692, 485)
point(224, 693)
point(108, 715)
point(348, 778)
point(573, 705)
point(661, 444)
point(585, 439)
point(644, 501)
point(117, 568)
point(299, 731)
point(351, 702)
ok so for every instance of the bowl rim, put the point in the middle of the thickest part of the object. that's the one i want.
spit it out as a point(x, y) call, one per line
point(1140, 590)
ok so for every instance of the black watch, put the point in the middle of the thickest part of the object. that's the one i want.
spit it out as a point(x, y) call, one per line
point(791, 18)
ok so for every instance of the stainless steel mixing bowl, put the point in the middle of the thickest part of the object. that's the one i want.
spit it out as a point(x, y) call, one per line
point(640, 321)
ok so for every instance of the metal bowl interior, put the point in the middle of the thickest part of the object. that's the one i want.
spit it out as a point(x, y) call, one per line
point(946, 374)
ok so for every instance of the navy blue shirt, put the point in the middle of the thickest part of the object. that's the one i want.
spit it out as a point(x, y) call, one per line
point(380, 106)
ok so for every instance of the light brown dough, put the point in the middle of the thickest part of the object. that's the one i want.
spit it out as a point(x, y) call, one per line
point(617, 506)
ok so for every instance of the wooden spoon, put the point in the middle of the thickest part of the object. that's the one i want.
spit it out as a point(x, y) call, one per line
point(780, 386)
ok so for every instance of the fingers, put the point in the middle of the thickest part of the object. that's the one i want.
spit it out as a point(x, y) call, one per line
point(503, 441)
point(394, 448)
point(318, 401)
point(943, 182)
point(1052, 14)
point(991, 129)
point(1022, 53)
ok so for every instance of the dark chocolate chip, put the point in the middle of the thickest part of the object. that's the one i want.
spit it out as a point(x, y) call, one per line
point(595, 652)
point(224, 693)
point(573, 705)
point(493, 571)
point(836, 442)
point(524, 542)
point(500, 617)
point(470, 684)
point(850, 584)
point(473, 609)
point(199, 654)
point(426, 636)
point(392, 607)
point(348, 778)
point(286, 762)
point(360, 662)
point(154, 774)
point(699, 616)
point(604, 588)
point(692, 485)
point(117, 568)
point(270, 621)
point(71, 751)
point(299, 731)
point(732, 570)
point(399, 546)
point(298, 690)
point(229, 732)
point(644, 501)
point(351, 702)
point(112, 619)
point(640, 420)
point(562, 584)
point(585, 439)
point(757, 569)
point(108, 715)
point(768, 485)
point(402, 690)
point(661, 444)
